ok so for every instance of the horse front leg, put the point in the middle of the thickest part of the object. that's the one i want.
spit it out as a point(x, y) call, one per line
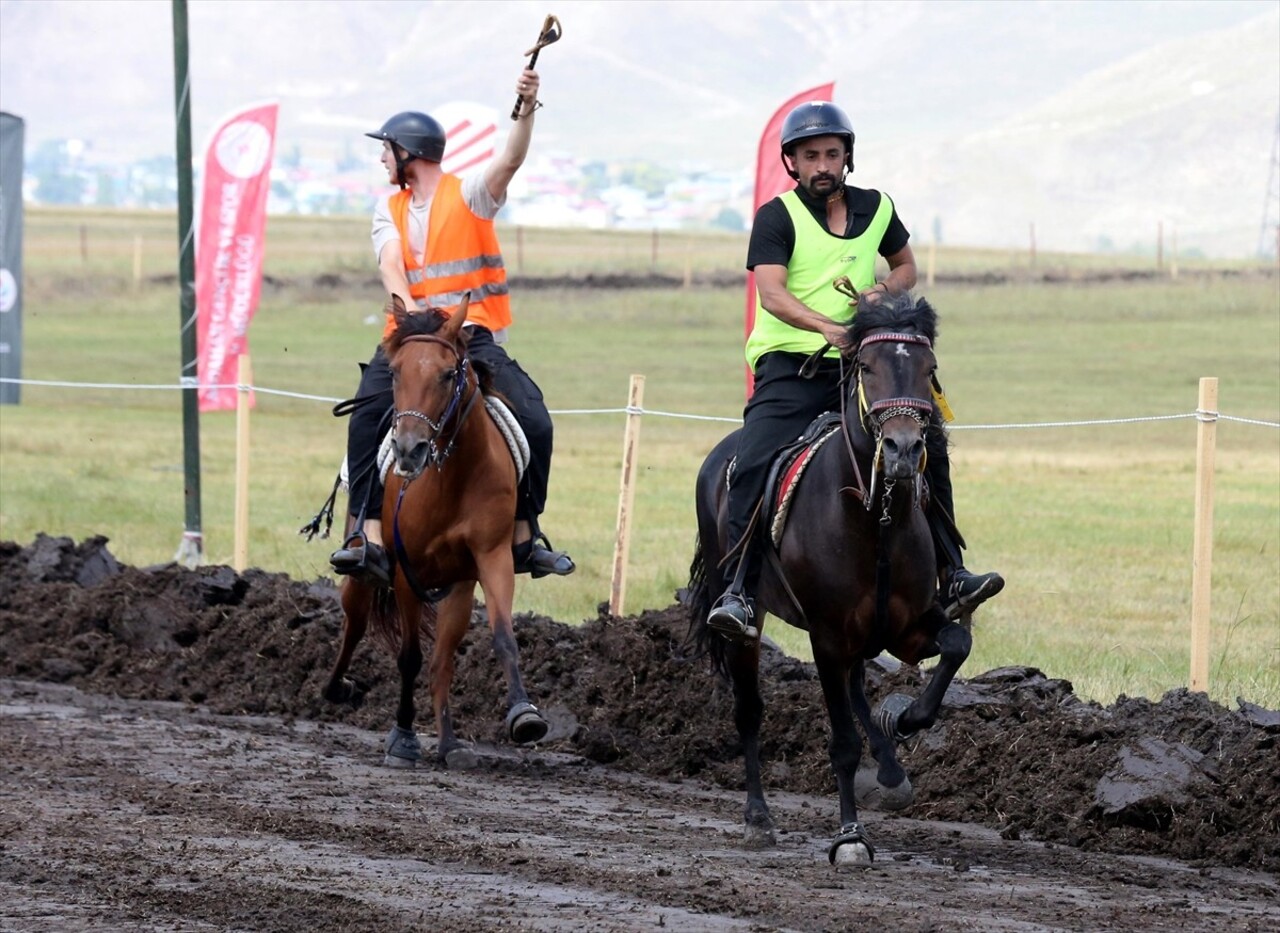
point(901, 717)
point(525, 722)
point(403, 749)
point(453, 619)
point(851, 846)
point(357, 603)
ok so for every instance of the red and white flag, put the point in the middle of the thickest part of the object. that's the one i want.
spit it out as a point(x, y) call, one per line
point(471, 136)
point(772, 180)
point(233, 221)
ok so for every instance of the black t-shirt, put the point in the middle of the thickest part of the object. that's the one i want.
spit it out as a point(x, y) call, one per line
point(773, 235)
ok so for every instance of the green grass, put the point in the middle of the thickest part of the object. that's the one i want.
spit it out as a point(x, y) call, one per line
point(1091, 524)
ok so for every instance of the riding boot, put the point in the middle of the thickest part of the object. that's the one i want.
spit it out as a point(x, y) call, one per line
point(363, 558)
point(960, 591)
point(733, 614)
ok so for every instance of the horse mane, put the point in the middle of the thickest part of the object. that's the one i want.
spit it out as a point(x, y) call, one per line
point(897, 312)
point(411, 323)
point(427, 321)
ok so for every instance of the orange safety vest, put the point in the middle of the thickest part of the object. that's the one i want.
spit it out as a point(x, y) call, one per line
point(463, 256)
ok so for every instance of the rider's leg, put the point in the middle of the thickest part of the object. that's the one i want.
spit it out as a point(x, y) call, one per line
point(959, 590)
point(533, 552)
point(363, 550)
point(781, 406)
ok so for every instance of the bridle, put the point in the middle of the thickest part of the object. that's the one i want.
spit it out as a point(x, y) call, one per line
point(453, 410)
point(874, 416)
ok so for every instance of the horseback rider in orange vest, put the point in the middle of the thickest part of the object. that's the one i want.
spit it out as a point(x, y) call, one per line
point(435, 242)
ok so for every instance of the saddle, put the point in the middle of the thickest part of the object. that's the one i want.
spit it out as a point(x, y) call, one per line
point(788, 466)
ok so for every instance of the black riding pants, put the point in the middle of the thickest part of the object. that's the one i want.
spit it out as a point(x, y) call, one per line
point(370, 422)
point(779, 410)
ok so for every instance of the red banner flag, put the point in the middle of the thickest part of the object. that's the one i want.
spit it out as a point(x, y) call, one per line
point(233, 220)
point(772, 180)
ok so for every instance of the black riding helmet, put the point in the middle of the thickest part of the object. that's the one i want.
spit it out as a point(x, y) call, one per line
point(417, 134)
point(816, 118)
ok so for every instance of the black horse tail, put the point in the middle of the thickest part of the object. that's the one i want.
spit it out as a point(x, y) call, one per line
point(699, 597)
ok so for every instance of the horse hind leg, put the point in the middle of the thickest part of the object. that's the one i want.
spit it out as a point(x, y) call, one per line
point(743, 663)
point(357, 602)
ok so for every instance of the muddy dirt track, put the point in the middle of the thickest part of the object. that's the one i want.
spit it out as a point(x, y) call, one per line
point(168, 765)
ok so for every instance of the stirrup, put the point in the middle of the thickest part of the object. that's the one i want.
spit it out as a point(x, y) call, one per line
point(731, 617)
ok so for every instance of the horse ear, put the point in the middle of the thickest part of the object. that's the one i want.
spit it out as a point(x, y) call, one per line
point(396, 310)
point(453, 326)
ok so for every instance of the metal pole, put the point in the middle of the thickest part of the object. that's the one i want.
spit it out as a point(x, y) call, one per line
point(191, 549)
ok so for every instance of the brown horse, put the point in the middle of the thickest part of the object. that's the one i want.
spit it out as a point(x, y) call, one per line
point(451, 501)
point(854, 567)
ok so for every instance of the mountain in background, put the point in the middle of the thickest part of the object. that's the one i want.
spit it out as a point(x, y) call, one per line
point(1093, 121)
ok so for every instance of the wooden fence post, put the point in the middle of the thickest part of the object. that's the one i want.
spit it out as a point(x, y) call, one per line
point(626, 497)
point(244, 379)
point(931, 263)
point(1202, 546)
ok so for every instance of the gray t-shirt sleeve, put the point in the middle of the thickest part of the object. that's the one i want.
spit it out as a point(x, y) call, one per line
point(384, 228)
point(476, 193)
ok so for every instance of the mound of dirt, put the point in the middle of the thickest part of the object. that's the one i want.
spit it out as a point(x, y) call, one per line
point(1014, 749)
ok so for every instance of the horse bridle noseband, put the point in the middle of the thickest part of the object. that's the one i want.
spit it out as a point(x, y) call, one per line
point(435, 455)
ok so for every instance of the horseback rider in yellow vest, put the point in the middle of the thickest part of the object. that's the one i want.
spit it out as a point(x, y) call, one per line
point(801, 242)
point(435, 241)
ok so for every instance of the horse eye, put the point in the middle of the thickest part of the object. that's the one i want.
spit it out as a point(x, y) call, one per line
point(449, 375)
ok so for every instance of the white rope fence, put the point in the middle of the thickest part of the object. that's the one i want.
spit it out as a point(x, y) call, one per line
point(630, 410)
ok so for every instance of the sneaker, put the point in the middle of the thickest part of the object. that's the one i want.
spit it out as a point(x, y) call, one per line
point(967, 591)
point(362, 558)
point(732, 616)
point(536, 558)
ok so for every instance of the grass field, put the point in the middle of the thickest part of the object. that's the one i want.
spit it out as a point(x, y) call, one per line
point(1090, 522)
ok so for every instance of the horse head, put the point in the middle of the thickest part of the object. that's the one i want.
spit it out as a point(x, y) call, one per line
point(430, 373)
point(893, 367)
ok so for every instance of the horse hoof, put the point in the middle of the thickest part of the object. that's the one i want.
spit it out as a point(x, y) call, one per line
point(853, 855)
point(525, 724)
point(340, 691)
point(873, 795)
point(402, 748)
point(759, 837)
point(460, 759)
point(889, 713)
point(852, 848)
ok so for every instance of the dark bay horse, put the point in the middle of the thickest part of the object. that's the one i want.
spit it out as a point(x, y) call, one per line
point(449, 506)
point(854, 567)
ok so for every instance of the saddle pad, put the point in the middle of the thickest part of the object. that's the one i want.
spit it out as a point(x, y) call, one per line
point(788, 481)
